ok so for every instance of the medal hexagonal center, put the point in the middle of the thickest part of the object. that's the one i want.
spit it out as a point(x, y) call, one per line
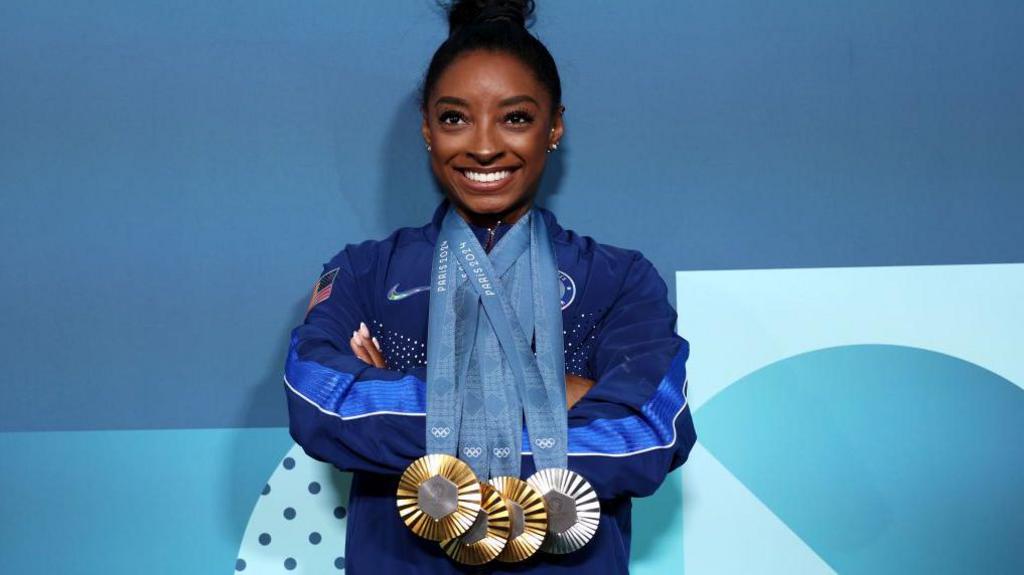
point(561, 511)
point(478, 530)
point(438, 497)
point(515, 513)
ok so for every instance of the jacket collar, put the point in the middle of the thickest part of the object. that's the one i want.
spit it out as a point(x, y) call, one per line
point(433, 229)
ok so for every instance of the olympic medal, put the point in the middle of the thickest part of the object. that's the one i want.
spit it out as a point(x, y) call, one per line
point(438, 497)
point(574, 512)
point(529, 518)
point(487, 536)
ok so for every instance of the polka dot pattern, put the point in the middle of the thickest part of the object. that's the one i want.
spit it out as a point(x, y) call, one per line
point(402, 352)
point(580, 333)
point(298, 521)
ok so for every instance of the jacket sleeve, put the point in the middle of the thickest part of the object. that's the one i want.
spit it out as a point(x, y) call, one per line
point(634, 426)
point(342, 410)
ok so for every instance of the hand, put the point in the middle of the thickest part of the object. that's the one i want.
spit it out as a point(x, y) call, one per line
point(366, 347)
point(575, 388)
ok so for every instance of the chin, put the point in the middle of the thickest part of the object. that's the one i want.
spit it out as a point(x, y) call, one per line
point(489, 205)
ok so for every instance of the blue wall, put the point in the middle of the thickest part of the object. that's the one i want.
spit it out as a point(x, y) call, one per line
point(172, 175)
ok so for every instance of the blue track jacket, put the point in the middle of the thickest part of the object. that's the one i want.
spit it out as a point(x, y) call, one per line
point(625, 434)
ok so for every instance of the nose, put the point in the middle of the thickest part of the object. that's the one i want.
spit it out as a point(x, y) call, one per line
point(486, 146)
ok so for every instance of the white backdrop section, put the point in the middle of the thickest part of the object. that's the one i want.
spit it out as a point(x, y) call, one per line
point(739, 321)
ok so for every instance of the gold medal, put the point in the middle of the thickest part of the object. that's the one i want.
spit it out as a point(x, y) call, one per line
point(529, 518)
point(438, 497)
point(573, 509)
point(488, 535)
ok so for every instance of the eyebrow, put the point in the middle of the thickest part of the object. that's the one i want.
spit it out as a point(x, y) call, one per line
point(518, 99)
point(452, 100)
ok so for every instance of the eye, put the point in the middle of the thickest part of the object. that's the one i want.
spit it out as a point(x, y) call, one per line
point(451, 117)
point(519, 118)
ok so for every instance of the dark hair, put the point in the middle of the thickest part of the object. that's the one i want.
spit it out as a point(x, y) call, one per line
point(497, 25)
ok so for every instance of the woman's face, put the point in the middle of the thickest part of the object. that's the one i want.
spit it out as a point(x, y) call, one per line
point(489, 124)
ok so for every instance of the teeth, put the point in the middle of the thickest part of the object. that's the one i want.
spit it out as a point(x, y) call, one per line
point(491, 177)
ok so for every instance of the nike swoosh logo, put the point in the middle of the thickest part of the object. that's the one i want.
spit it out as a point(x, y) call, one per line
point(395, 295)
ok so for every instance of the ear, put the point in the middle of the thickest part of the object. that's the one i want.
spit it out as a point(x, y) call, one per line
point(425, 129)
point(557, 127)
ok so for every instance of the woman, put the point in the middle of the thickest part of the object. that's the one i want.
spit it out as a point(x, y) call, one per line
point(358, 377)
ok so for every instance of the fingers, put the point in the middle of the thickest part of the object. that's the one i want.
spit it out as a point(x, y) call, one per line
point(375, 355)
point(575, 388)
point(366, 347)
point(356, 343)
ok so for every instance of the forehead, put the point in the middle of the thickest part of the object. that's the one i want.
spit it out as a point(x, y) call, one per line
point(483, 77)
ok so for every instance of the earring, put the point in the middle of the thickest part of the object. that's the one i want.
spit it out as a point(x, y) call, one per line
point(428, 147)
point(553, 147)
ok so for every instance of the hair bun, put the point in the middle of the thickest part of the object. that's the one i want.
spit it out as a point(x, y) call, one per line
point(464, 13)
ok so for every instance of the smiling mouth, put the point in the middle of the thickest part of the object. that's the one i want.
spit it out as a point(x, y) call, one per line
point(486, 179)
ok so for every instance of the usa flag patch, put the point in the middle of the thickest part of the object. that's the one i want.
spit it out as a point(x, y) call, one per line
point(322, 288)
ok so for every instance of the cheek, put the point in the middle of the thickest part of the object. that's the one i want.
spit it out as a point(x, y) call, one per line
point(533, 146)
point(437, 166)
point(445, 147)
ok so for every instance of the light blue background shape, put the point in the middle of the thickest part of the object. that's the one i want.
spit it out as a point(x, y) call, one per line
point(883, 459)
point(865, 420)
point(299, 520)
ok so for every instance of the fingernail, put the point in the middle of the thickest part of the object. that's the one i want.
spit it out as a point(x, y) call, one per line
point(356, 340)
point(365, 331)
point(375, 344)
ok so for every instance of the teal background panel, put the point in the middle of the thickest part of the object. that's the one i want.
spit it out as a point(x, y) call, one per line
point(119, 502)
point(657, 545)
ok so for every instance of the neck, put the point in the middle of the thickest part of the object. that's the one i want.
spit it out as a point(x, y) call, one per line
point(509, 216)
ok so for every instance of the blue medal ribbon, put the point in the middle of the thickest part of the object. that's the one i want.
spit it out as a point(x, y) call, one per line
point(482, 374)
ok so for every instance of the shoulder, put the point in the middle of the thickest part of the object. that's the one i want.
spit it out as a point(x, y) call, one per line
point(585, 246)
point(615, 264)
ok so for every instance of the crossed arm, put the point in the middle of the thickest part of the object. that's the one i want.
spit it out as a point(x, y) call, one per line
point(366, 347)
point(626, 431)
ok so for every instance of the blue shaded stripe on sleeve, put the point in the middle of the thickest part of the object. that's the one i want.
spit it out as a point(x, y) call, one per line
point(337, 393)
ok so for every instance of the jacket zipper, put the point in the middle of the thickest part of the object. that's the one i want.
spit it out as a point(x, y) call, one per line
point(490, 237)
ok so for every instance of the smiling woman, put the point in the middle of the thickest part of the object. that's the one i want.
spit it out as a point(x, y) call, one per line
point(500, 387)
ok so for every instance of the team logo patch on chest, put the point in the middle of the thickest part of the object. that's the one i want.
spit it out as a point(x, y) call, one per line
point(322, 288)
point(566, 288)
